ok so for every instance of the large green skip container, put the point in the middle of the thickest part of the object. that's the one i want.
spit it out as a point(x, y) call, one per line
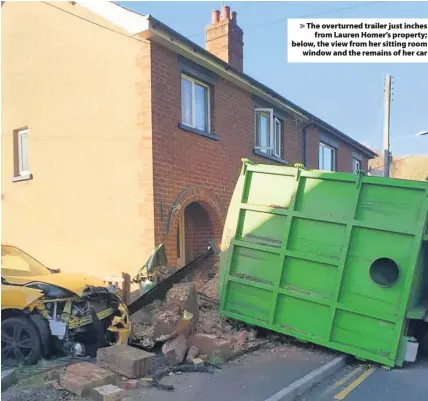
point(336, 259)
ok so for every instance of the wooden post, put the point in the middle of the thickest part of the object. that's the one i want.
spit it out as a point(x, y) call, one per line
point(126, 290)
point(387, 107)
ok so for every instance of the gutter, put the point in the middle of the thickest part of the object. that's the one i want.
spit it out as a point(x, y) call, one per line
point(171, 39)
point(166, 36)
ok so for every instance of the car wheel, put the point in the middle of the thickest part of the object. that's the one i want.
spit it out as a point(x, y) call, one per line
point(20, 341)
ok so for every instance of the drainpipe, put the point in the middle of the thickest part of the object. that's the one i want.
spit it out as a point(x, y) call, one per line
point(304, 146)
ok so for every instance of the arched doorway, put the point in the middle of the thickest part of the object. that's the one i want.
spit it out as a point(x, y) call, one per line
point(196, 216)
point(196, 226)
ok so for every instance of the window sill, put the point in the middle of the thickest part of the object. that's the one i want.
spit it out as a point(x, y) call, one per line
point(198, 132)
point(273, 158)
point(25, 177)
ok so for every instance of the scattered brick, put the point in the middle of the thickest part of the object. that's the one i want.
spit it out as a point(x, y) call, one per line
point(198, 362)
point(56, 385)
point(130, 384)
point(192, 353)
point(210, 345)
point(80, 378)
point(241, 337)
point(175, 349)
point(125, 360)
point(146, 382)
point(107, 393)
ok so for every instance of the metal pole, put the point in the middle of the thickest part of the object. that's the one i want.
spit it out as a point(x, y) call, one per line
point(386, 126)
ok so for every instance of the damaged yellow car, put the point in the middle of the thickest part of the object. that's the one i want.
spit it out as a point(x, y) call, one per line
point(45, 311)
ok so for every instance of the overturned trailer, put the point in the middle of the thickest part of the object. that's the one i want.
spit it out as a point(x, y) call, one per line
point(337, 259)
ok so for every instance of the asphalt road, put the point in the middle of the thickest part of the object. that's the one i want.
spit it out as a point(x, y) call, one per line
point(364, 382)
point(254, 377)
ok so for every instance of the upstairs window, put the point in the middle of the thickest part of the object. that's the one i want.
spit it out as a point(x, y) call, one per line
point(195, 107)
point(21, 142)
point(356, 165)
point(268, 133)
point(327, 157)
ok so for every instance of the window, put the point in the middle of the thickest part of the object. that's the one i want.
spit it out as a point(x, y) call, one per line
point(356, 165)
point(327, 157)
point(22, 167)
point(277, 139)
point(268, 132)
point(195, 108)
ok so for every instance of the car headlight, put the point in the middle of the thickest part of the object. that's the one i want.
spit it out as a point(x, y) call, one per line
point(51, 291)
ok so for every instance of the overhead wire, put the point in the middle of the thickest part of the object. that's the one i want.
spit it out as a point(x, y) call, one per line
point(395, 161)
point(196, 35)
point(95, 23)
point(254, 25)
point(301, 17)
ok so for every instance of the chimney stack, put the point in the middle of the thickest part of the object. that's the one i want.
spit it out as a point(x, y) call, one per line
point(215, 17)
point(224, 38)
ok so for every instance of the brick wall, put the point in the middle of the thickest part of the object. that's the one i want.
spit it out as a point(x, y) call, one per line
point(344, 152)
point(188, 167)
point(404, 167)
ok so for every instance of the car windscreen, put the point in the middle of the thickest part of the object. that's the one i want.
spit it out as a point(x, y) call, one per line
point(15, 262)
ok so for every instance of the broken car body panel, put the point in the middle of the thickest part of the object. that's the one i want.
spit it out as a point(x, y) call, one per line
point(332, 258)
point(71, 282)
point(14, 297)
point(75, 307)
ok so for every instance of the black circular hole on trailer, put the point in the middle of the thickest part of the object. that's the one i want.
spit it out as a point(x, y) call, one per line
point(384, 272)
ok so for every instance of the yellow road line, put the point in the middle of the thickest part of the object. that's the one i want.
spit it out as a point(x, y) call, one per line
point(342, 381)
point(354, 384)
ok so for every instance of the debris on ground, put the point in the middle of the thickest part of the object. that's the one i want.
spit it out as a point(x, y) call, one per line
point(155, 380)
point(192, 353)
point(125, 360)
point(198, 362)
point(175, 349)
point(130, 384)
point(108, 392)
point(189, 319)
point(81, 378)
point(182, 333)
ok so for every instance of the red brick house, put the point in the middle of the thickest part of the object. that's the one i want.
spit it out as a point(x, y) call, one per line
point(234, 121)
point(198, 115)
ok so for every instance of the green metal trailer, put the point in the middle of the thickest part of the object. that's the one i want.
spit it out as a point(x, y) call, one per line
point(332, 258)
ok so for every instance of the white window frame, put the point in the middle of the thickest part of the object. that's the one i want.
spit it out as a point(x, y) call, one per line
point(196, 81)
point(19, 134)
point(333, 153)
point(277, 146)
point(356, 163)
point(274, 148)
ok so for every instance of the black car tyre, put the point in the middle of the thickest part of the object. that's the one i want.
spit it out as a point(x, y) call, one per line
point(20, 341)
